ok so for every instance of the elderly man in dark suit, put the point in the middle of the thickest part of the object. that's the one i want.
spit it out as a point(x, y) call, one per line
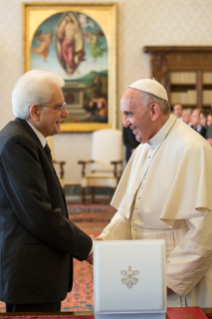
point(37, 240)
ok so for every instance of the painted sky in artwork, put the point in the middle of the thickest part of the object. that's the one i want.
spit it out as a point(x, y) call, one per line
point(51, 62)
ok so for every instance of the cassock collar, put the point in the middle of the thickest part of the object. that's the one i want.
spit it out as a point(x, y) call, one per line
point(39, 135)
point(159, 137)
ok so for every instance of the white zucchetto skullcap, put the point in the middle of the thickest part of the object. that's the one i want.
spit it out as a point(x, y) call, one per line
point(150, 86)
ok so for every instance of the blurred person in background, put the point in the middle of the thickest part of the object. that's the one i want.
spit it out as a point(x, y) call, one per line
point(129, 141)
point(209, 129)
point(203, 118)
point(195, 123)
point(186, 115)
point(177, 111)
point(209, 119)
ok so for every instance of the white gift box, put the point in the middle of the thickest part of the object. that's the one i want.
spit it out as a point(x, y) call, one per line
point(129, 279)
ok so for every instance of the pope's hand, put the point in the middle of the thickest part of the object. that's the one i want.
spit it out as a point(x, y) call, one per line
point(98, 238)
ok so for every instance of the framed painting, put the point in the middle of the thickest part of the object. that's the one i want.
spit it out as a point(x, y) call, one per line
point(77, 41)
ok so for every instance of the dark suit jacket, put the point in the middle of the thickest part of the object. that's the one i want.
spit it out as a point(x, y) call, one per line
point(129, 141)
point(202, 132)
point(209, 132)
point(37, 241)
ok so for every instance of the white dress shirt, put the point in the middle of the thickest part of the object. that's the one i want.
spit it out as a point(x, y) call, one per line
point(39, 135)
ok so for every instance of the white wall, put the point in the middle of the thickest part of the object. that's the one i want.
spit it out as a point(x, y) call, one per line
point(140, 23)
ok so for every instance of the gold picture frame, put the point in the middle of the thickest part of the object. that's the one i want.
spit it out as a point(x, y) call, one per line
point(71, 39)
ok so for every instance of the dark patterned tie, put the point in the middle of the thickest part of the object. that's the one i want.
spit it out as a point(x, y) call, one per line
point(49, 156)
point(48, 153)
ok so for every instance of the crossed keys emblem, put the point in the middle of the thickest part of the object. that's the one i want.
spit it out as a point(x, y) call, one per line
point(129, 274)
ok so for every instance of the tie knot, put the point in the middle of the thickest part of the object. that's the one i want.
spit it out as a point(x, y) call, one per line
point(47, 149)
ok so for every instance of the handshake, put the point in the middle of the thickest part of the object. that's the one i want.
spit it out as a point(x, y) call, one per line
point(90, 257)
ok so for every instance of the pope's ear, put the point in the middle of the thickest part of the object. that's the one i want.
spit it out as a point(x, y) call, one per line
point(155, 111)
point(35, 112)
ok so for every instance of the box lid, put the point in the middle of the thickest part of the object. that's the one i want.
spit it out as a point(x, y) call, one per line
point(129, 276)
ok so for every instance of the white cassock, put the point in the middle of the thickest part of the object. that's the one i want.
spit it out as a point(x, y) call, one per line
point(166, 193)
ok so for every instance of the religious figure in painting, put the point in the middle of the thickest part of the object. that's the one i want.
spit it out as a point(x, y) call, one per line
point(96, 87)
point(95, 44)
point(70, 43)
point(96, 110)
point(43, 43)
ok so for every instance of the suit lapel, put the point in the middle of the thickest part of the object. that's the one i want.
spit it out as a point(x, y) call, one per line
point(60, 190)
point(30, 131)
point(32, 134)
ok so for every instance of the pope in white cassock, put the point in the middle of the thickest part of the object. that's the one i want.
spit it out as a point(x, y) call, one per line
point(166, 193)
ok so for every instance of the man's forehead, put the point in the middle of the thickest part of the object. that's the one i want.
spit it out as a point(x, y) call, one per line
point(178, 106)
point(131, 94)
point(185, 112)
point(131, 105)
point(196, 112)
point(57, 93)
point(131, 98)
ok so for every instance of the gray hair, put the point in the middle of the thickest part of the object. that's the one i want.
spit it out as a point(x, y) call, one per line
point(34, 87)
point(189, 111)
point(148, 98)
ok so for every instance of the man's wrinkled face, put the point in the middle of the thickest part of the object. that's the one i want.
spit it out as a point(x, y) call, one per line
point(52, 116)
point(136, 115)
point(178, 110)
point(209, 119)
point(203, 120)
point(186, 117)
point(195, 122)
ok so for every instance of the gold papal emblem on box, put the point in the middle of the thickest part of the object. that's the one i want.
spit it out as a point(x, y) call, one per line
point(129, 279)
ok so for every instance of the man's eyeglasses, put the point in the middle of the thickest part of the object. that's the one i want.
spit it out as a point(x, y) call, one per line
point(60, 107)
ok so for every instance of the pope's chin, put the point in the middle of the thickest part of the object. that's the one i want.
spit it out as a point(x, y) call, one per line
point(137, 137)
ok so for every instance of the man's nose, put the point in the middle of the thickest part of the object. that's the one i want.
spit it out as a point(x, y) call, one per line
point(65, 113)
point(126, 122)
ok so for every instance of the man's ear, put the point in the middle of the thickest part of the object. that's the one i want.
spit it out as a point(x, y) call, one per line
point(155, 111)
point(35, 111)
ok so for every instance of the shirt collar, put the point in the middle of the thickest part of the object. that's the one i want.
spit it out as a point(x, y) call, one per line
point(39, 135)
point(198, 129)
point(161, 134)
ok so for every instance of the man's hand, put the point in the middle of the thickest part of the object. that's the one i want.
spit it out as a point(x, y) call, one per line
point(90, 259)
